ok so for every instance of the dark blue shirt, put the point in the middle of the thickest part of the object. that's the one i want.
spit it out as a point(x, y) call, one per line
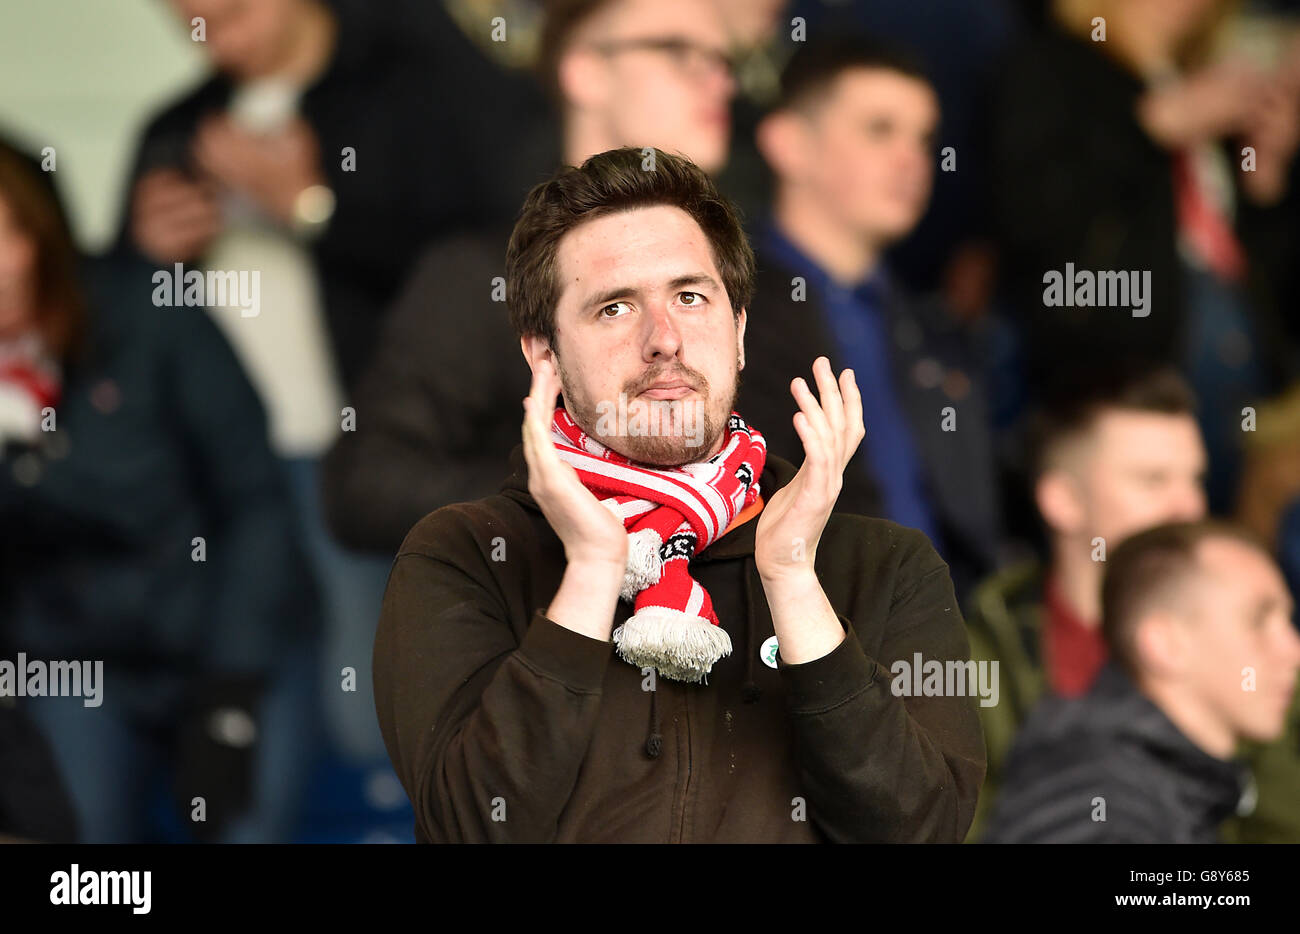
point(855, 318)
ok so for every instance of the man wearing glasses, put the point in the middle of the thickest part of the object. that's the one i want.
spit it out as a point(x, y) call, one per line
point(641, 73)
point(438, 409)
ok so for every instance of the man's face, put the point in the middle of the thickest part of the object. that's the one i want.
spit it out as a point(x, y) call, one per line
point(243, 37)
point(870, 153)
point(1138, 470)
point(1243, 649)
point(673, 99)
point(641, 305)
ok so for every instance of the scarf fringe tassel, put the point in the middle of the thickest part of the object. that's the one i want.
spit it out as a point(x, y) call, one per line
point(677, 645)
point(644, 564)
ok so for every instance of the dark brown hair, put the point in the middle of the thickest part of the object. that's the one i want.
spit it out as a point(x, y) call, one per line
point(816, 65)
point(60, 309)
point(1145, 570)
point(1079, 398)
point(609, 183)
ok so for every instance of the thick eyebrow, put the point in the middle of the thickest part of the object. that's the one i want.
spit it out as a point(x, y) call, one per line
point(694, 278)
point(697, 278)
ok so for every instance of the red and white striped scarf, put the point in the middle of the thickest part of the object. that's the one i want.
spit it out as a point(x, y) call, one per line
point(671, 514)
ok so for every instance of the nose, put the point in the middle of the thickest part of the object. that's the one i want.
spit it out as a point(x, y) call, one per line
point(726, 82)
point(715, 74)
point(663, 340)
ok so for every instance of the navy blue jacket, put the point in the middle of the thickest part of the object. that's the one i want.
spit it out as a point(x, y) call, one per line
point(159, 439)
point(933, 368)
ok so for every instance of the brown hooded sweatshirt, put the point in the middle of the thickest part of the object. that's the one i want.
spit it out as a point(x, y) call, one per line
point(506, 727)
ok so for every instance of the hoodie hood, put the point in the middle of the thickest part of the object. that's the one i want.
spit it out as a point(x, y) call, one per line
point(737, 544)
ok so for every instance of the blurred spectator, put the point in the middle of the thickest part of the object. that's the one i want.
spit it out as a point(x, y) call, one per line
point(640, 73)
point(1188, 611)
point(145, 527)
point(1117, 146)
point(958, 44)
point(1270, 507)
point(34, 804)
point(318, 155)
point(1113, 455)
point(1270, 482)
point(851, 146)
point(440, 406)
point(319, 131)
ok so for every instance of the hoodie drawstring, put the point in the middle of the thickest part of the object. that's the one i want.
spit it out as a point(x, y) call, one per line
point(749, 691)
point(654, 741)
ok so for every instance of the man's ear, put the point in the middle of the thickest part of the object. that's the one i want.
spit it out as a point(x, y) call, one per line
point(780, 137)
point(1162, 643)
point(535, 349)
point(582, 76)
point(740, 336)
point(1059, 502)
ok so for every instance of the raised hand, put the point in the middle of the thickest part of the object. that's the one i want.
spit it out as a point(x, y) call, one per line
point(173, 219)
point(791, 523)
point(271, 169)
point(591, 533)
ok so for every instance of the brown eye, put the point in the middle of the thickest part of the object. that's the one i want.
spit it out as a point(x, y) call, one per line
point(612, 305)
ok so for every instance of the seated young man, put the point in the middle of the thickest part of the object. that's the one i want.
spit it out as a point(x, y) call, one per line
point(1115, 452)
point(657, 631)
point(851, 147)
point(1197, 620)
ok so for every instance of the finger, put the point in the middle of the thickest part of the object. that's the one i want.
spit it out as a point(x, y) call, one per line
point(550, 389)
point(172, 244)
point(532, 419)
point(526, 433)
point(180, 214)
point(210, 160)
point(158, 180)
point(543, 391)
point(215, 154)
point(809, 406)
point(219, 165)
point(533, 448)
point(855, 428)
point(175, 230)
point(814, 469)
point(553, 483)
point(826, 451)
point(161, 194)
point(541, 410)
point(562, 476)
point(832, 402)
point(828, 391)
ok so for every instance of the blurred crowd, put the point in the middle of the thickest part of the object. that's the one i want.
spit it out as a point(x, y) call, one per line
point(208, 499)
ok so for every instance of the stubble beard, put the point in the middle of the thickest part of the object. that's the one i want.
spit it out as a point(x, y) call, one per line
point(655, 450)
